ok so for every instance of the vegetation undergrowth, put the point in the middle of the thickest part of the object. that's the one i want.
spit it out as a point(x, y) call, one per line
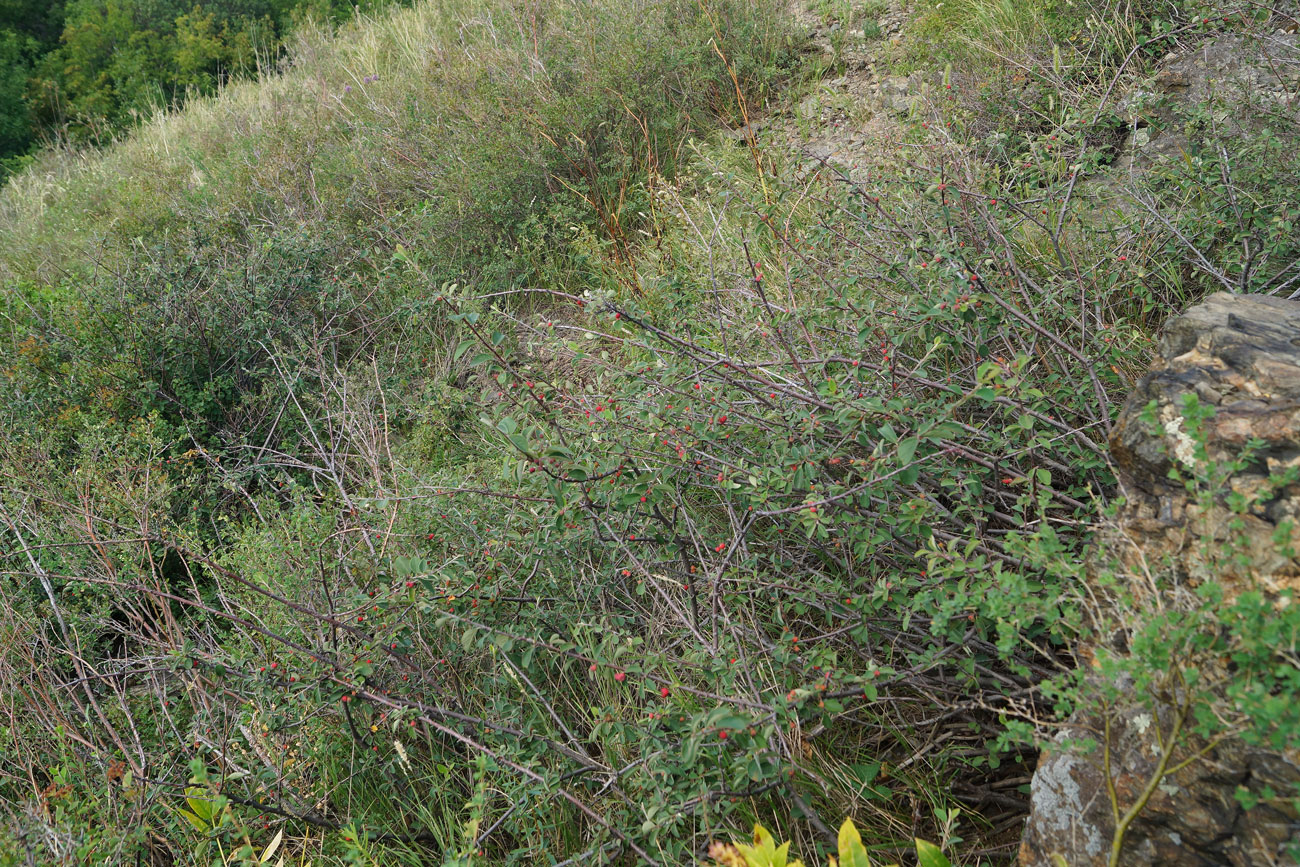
point(450, 451)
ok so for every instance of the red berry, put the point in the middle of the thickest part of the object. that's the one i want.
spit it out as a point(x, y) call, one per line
point(621, 676)
point(664, 692)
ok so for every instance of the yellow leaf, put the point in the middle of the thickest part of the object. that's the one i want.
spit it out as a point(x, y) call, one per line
point(270, 849)
point(852, 852)
point(763, 852)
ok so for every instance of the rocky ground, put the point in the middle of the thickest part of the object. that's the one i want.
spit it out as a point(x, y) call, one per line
point(852, 118)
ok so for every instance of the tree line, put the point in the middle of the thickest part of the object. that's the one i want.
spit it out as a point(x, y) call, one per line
point(81, 71)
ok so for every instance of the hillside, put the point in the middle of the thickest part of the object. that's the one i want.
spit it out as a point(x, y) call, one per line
point(561, 432)
point(81, 72)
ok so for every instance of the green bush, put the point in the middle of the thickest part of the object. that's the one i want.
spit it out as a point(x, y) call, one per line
point(475, 466)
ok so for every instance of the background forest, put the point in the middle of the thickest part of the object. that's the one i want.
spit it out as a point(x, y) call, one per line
point(81, 72)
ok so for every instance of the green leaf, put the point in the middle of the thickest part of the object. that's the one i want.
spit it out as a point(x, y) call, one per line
point(519, 442)
point(462, 348)
point(929, 855)
point(507, 426)
point(199, 803)
point(866, 772)
point(907, 449)
point(199, 825)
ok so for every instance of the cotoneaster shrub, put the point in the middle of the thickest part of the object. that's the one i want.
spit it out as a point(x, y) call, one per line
point(775, 512)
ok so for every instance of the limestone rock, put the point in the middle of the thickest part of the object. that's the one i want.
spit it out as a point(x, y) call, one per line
point(1248, 73)
point(1192, 818)
point(1241, 356)
point(897, 92)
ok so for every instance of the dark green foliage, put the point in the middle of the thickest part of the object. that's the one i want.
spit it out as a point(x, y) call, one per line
point(87, 70)
point(16, 52)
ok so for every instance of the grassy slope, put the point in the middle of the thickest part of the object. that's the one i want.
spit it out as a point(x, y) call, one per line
point(466, 93)
point(347, 360)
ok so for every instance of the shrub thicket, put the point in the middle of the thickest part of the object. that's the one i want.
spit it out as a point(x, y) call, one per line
point(477, 465)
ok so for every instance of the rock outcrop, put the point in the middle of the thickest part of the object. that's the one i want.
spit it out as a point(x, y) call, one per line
point(1229, 371)
point(1240, 356)
point(1192, 818)
point(1240, 76)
